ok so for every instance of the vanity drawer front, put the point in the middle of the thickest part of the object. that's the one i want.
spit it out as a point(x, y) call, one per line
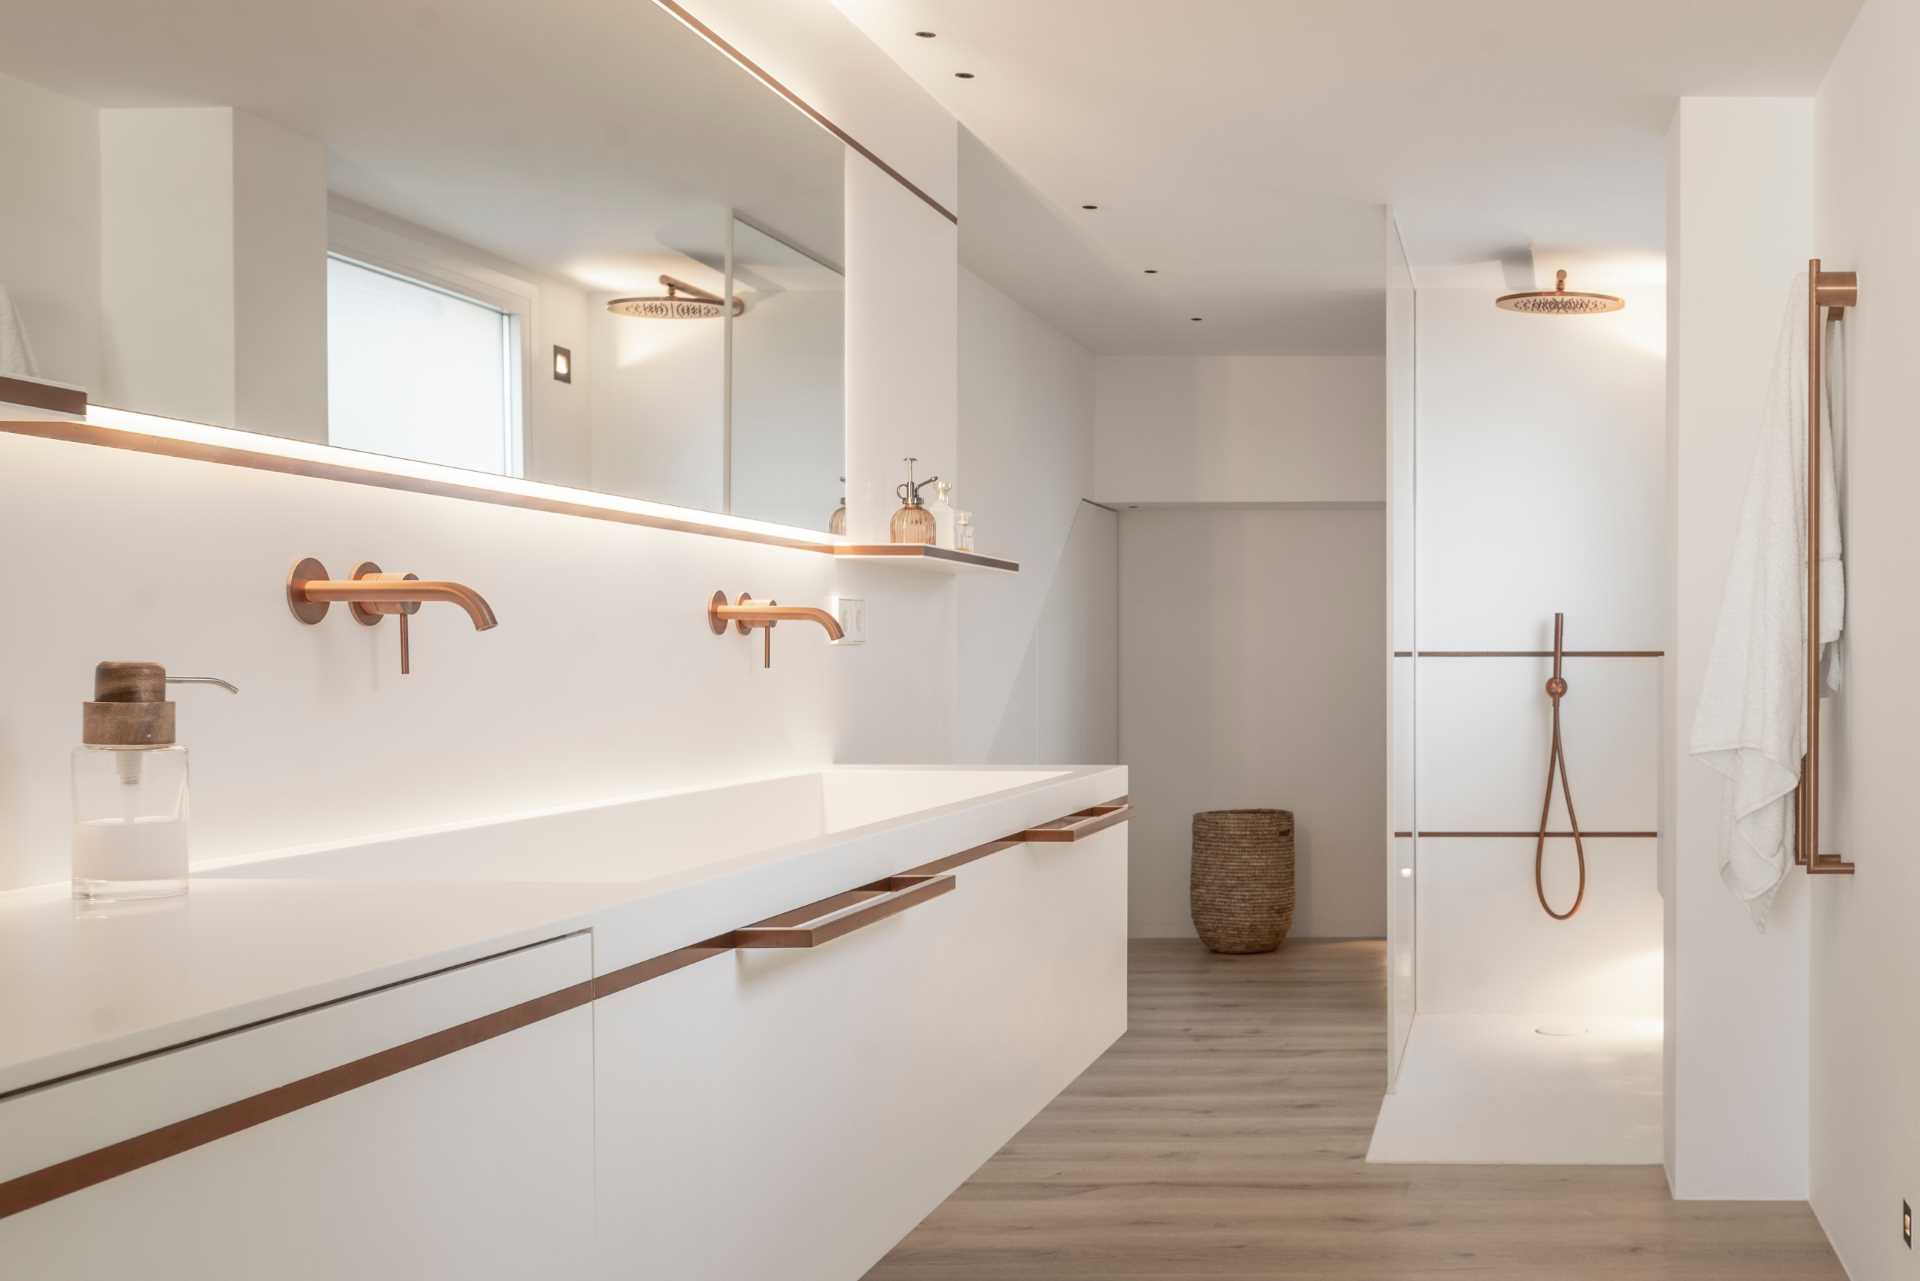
point(795, 1113)
point(474, 1162)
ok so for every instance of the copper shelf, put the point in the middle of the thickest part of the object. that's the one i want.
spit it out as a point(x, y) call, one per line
point(576, 502)
point(923, 556)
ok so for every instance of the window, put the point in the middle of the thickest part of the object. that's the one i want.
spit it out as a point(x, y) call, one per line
point(415, 371)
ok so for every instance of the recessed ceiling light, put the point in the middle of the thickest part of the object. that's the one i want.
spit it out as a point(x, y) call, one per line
point(1193, 317)
point(963, 75)
point(1153, 271)
point(924, 35)
point(1089, 206)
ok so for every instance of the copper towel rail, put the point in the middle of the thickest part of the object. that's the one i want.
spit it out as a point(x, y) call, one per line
point(1079, 825)
point(842, 914)
point(1836, 291)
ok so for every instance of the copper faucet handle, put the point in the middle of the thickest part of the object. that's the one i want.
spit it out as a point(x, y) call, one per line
point(371, 612)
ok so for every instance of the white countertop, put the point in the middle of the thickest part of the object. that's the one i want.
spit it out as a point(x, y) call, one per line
point(84, 986)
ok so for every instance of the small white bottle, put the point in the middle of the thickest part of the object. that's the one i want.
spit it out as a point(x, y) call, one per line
point(130, 787)
point(942, 509)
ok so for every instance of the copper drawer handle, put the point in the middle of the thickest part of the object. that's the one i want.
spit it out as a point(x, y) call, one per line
point(1080, 824)
point(842, 914)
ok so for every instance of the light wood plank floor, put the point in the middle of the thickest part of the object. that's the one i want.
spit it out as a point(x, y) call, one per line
point(1225, 1136)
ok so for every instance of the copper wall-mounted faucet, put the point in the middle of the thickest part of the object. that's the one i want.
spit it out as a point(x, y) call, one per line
point(750, 613)
point(372, 594)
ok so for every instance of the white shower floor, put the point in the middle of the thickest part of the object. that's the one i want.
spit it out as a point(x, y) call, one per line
point(1476, 1089)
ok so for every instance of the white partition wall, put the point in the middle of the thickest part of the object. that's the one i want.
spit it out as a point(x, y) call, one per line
point(1402, 594)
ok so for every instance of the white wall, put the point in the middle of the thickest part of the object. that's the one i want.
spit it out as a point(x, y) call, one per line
point(1250, 675)
point(50, 210)
point(1239, 429)
point(279, 279)
point(1540, 471)
point(788, 407)
point(212, 214)
point(1865, 1029)
point(166, 254)
point(1739, 192)
point(655, 396)
point(903, 287)
point(1075, 657)
point(1026, 405)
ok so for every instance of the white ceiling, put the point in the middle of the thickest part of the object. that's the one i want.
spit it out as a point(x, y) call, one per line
point(1245, 147)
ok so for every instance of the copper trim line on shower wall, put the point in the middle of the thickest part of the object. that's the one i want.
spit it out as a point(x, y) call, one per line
point(1835, 290)
point(1529, 653)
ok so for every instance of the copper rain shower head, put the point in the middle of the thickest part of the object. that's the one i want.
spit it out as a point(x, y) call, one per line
point(682, 302)
point(1559, 301)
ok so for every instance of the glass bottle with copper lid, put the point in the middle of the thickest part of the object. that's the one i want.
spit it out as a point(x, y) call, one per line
point(130, 786)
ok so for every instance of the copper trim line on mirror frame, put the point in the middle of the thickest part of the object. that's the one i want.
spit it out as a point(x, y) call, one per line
point(904, 890)
point(806, 108)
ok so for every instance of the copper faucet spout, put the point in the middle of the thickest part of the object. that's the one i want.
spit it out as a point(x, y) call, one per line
point(756, 612)
point(405, 592)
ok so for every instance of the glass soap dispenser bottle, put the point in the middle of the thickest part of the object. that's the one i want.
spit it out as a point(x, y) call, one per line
point(130, 786)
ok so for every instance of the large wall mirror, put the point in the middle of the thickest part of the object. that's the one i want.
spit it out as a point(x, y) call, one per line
point(568, 242)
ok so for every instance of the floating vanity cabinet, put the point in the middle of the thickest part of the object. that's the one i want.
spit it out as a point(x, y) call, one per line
point(793, 1112)
point(475, 1163)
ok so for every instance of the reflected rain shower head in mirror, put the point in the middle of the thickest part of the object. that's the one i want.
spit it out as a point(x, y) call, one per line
point(681, 302)
point(1558, 301)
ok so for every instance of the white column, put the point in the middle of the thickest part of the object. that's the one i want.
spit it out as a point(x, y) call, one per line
point(1740, 202)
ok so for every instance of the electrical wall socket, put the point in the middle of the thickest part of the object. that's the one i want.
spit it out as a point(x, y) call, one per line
point(851, 612)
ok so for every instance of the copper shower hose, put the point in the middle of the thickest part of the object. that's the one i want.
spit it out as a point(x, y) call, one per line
point(1557, 762)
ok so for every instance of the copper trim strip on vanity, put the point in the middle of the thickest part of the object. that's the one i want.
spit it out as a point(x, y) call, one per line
point(659, 966)
point(807, 926)
point(128, 1155)
point(80, 433)
point(761, 74)
point(49, 396)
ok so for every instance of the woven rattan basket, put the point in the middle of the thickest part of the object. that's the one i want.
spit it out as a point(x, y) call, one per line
point(1243, 878)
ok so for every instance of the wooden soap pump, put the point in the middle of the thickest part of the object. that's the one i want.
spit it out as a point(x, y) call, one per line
point(913, 523)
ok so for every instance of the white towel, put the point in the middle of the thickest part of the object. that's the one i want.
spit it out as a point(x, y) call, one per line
point(16, 357)
point(1750, 724)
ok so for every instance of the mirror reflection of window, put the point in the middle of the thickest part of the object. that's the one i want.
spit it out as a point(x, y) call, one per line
point(417, 372)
